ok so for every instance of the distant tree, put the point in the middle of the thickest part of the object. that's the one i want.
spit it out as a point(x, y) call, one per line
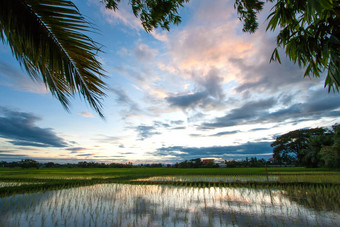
point(330, 155)
point(3, 164)
point(28, 163)
point(309, 31)
point(50, 165)
point(289, 148)
point(196, 163)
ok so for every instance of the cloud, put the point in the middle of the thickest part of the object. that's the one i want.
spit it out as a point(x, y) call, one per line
point(123, 99)
point(12, 77)
point(317, 104)
point(13, 157)
point(248, 112)
point(123, 16)
point(209, 39)
point(187, 101)
point(76, 149)
point(178, 122)
point(144, 53)
point(20, 128)
point(108, 139)
point(86, 114)
point(226, 133)
point(259, 149)
point(85, 155)
point(145, 132)
point(209, 95)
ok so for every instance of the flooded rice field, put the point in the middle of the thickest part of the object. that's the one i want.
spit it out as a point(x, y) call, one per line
point(160, 205)
point(213, 179)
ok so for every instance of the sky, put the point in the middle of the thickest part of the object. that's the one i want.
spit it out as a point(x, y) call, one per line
point(203, 90)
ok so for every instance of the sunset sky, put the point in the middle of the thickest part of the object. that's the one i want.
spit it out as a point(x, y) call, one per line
point(204, 89)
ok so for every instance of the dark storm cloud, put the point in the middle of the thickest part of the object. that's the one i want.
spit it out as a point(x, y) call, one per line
point(20, 128)
point(260, 149)
point(210, 93)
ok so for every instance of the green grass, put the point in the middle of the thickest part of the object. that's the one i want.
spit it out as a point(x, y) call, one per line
point(132, 172)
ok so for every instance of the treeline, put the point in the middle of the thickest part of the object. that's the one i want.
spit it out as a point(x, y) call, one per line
point(29, 163)
point(252, 162)
point(193, 163)
point(198, 163)
point(315, 147)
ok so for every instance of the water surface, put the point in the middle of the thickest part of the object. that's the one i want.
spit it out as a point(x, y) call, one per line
point(159, 205)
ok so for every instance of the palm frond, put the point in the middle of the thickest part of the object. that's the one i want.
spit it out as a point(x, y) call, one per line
point(47, 38)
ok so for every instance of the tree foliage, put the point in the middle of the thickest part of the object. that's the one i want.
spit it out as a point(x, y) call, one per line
point(28, 163)
point(153, 13)
point(309, 31)
point(47, 38)
point(330, 155)
point(289, 147)
point(315, 147)
point(311, 155)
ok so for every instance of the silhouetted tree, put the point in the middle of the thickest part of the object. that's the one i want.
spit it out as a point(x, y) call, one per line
point(28, 163)
point(289, 147)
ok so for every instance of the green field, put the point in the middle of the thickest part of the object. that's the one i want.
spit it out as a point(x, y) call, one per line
point(169, 196)
point(137, 172)
point(50, 178)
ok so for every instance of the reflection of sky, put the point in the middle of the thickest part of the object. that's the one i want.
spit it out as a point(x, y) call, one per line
point(211, 179)
point(204, 89)
point(152, 205)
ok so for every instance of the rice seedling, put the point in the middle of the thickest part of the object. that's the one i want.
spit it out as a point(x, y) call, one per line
point(165, 197)
point(164, 205)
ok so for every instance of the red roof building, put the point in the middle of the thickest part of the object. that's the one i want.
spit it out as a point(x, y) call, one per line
point(206, 161)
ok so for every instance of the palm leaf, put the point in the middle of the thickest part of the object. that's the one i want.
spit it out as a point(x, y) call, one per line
point(47, 38)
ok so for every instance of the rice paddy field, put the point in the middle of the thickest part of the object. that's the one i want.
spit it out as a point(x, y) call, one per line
point(170, 197)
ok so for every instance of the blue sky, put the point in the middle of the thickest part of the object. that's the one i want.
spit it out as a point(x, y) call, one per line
point(204, 89)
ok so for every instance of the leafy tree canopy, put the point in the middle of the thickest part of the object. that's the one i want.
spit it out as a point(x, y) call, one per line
point(47, 38)
point(309, 33)
point(153, 13)
point(290, 147)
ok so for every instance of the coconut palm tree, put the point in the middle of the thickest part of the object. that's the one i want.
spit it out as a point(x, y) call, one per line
point(47, 38)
